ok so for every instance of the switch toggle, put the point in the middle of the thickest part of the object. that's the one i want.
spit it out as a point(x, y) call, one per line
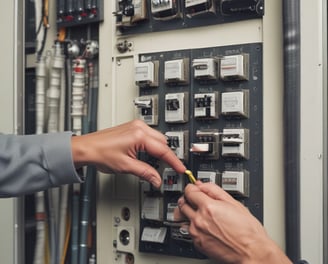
point(205, 69)
point(208, 176)
point(147, 109)
point(177, 141)
point(172, 181)
point(207, 144)
point(235, 143)
point(206, 105)
point(176, 107)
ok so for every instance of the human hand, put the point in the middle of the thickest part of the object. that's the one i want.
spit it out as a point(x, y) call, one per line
point(115, 150)
point(223, 229)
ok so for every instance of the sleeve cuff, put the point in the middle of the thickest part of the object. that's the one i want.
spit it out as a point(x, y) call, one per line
point(58, 155)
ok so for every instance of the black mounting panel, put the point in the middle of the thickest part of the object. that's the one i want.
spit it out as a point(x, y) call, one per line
point(253, 123)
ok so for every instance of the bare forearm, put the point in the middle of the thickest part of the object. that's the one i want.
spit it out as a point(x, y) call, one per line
point(265, 251)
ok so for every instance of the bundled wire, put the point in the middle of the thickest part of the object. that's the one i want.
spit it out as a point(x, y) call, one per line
point(44, 21)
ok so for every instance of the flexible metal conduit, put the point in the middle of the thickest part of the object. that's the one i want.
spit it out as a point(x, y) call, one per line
point(291, 24)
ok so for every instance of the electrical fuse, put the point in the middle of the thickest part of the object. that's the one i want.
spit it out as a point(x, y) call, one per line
point(234, 67)
point(148, 109)
point(152, 208)
point(235, 103)
point(176, 71)
point(207, 144)
point(205, 69)
point(172, 181)
point(146, 74)
point(208, 176)
point(165, 9)
point(177, 141)
point(236, 182)
point(206, 105)
point(197, 7)
point(235, 143)
point(176, 107)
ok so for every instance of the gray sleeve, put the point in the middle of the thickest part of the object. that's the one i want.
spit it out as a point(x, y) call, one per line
point(33, 163)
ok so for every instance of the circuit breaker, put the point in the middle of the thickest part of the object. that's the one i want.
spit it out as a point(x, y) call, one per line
point(210, 109)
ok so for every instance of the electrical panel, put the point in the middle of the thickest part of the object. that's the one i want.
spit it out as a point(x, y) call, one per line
point(141, 16)
point(209, 105)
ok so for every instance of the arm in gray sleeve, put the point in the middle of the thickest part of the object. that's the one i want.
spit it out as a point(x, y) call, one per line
point(33, 163)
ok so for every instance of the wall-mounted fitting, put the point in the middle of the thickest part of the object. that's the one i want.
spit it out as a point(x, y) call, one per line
point(124, 46)
point(126, 238)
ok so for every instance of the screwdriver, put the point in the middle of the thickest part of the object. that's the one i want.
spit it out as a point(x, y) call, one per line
point(190, 176)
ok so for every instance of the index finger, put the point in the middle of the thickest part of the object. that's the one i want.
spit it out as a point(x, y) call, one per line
point(163, 152)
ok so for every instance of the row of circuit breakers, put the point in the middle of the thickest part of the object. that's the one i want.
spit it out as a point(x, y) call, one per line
point(208, 102)
point(139, 16)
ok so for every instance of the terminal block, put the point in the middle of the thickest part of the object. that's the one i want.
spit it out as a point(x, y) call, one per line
point(206, 105)
point(176, 107)
point(236, 182)
point(235, 143)
point(205, 69)
point(235, 104)
point(176, 72)
point(178, 142)
point(234, 67)
point(172, 181)
point(208, 176)
point(146, 74)
point(148, 109)
point(207, 144)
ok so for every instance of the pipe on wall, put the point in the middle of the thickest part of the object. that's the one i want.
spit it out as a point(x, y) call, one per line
point(292, 69)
